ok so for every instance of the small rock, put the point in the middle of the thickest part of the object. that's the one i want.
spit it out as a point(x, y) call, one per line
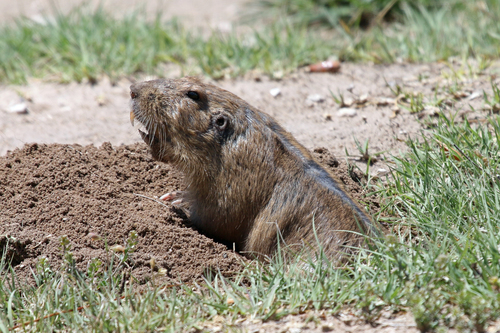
point(278, 75)
point(348, 101)
point(327, 328)
point(363, 99)
point(275, 92)
point(316, 98)
point(346, 112)
point(19, 108)
point(93, 236)
point(429, 110)
point(327, 117)
point(117, 248)
point(460, 94)
point(101, 100)
point(382, 172)
point(383, 101)
point(474, 95)
point(331, 66)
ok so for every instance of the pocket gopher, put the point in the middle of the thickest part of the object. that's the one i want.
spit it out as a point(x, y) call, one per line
point(249, 182)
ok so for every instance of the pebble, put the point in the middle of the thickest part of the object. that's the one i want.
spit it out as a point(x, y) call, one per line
point(474, 95)
point(325, 66)
point(316, 98)
point(382, 172)
point(19, 108)
point(327, 327)
point(93, 236)
point(117, 248)
point(275, 92)
point(363, 99)
point(429, 110)
point(346, 112)
point(382, 101)
point(348, 101)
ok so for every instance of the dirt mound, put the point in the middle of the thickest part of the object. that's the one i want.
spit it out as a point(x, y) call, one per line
point(48, 191)
point(85, 193)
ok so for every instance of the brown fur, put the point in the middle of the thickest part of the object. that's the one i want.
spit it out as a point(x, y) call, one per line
point(246, 176)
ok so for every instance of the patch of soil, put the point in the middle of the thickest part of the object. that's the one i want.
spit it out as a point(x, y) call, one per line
point(50, 191)
point(85, 193)
point(313, 321)
point(93, 114)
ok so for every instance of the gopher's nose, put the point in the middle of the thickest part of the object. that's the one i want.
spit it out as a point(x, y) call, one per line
point(134, 91)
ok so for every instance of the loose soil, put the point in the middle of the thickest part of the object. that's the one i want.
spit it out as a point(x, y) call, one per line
point(84, 193)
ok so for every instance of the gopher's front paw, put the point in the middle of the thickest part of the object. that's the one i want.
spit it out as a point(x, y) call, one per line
point(175, 198)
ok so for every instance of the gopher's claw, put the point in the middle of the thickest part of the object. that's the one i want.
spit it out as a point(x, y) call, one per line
point(169, 196)
point(177, 203)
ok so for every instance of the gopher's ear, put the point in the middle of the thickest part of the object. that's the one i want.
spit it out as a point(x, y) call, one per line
point(221, 122)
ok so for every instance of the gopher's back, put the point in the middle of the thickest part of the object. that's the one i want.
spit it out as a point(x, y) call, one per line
point(308, 205)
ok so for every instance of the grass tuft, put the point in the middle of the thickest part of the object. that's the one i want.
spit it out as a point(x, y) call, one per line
point(85, 44)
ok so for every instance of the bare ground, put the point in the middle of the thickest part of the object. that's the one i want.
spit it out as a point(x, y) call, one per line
point(93, 114)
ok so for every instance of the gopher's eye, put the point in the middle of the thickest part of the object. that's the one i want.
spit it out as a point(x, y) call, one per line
point(193, 95)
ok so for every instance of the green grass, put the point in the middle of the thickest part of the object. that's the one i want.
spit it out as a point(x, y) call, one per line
point(85, 45)
point(447, 191)
point(441, 260)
